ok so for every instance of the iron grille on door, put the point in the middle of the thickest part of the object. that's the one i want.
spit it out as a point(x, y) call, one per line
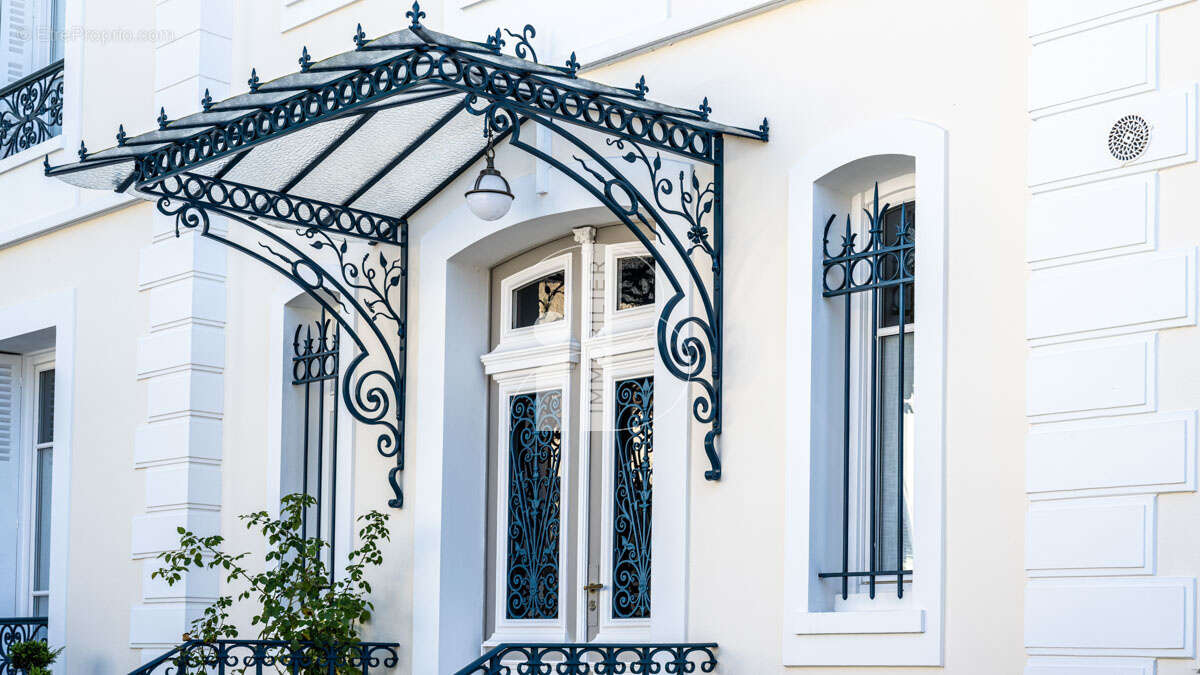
point(314, 368)
point(880, 270)
point(633, 487)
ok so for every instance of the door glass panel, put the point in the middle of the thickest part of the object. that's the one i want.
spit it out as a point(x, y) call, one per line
point(534, 495)
point(632, 498)
point(45, 422)
point(539, 302)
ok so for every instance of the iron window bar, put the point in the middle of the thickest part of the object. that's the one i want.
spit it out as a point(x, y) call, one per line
point(315, 362)
point(31, 110)
point(873, 268)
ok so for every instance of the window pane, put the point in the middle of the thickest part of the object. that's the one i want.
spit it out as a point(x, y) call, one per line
point(889, 310)
point(889, 428)
point(41, 554)
point(58, 22)
point(45, 422)
point(41, 606)
point(542, 301)
point(632, 498)
point(636, 279)
point(535, 454)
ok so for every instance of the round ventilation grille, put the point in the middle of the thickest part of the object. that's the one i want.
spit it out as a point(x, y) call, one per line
point(1128, 138)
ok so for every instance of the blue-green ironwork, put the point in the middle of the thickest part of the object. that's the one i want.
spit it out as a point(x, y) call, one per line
point(14, 630)
point(197, 657)
point(882, 265)
point(415, 66)
point(594, 659)
point(372, 288)
point(31, 110)
point(534, 517)
point(316, 363)
point(633, 491)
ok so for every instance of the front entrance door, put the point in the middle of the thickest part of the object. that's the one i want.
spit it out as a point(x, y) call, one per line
point(571, 442)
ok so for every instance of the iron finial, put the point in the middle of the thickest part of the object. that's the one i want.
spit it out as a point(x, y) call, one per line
point(206, 102)
point(305, 60)
point(641, 87)
point(415, 14)
point(705, 109)
point(495, 42)
point(253, 81)
point(46, 163)
point(121, 135)
point(765, 128)
point(162, 118)
point(573, 64)
point(82, 151)
point(360, 38)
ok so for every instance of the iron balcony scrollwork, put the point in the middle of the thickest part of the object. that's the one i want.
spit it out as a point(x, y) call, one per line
point(17, 630)
point(198, 657)
point(371, 287)
point(31, 110)
point(594, 659)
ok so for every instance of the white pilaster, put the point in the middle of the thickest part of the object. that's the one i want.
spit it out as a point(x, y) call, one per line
point(181, 357)
point(1101, 446)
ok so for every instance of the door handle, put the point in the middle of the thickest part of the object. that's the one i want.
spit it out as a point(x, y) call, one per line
point(593, 588)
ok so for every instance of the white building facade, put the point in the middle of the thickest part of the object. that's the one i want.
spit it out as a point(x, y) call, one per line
point(692, 396)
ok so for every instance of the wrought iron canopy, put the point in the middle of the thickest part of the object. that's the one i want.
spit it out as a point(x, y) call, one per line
point(348, 148)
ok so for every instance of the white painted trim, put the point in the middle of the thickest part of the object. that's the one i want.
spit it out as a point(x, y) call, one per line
point(538, 334)
point(1147, 504)
point(1075, 665)
point(514, 383)
point(864, 622)
point(1104, 425)
point(30, 155)
point(55, 311)
point(78, 213)
point(927, 144)
point(629, 365)
point(1149, 83)
point(1094, 586)
point(295, 13)
point(1144, 7)
point(623, 320)
point(1149, 402)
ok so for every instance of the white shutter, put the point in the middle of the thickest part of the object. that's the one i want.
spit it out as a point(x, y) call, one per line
point(10, 479)
point(17, 39)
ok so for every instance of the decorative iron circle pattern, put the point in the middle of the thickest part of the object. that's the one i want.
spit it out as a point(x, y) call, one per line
point(1128, 138)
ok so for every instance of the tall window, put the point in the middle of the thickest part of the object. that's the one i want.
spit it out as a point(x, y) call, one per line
point(870, 269)
point(43, 465)
point(310, 463)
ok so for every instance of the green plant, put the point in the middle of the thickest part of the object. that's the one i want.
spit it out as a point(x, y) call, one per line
point(295, 600)
point(32, 656)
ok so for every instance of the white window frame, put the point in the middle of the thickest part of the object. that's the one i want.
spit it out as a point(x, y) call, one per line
point(622, 320)
point(909, 632)
point(34, 364)
point(57, 311)
point(540, 334)
point(514, 383)
point(613, 369)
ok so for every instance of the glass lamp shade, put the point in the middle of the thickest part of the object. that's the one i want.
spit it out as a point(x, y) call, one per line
point(491, 197)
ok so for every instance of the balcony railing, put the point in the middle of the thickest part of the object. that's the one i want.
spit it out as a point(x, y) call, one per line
point(197, 657)
point(593, 659)
point(31, 110)
point(16, 630)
